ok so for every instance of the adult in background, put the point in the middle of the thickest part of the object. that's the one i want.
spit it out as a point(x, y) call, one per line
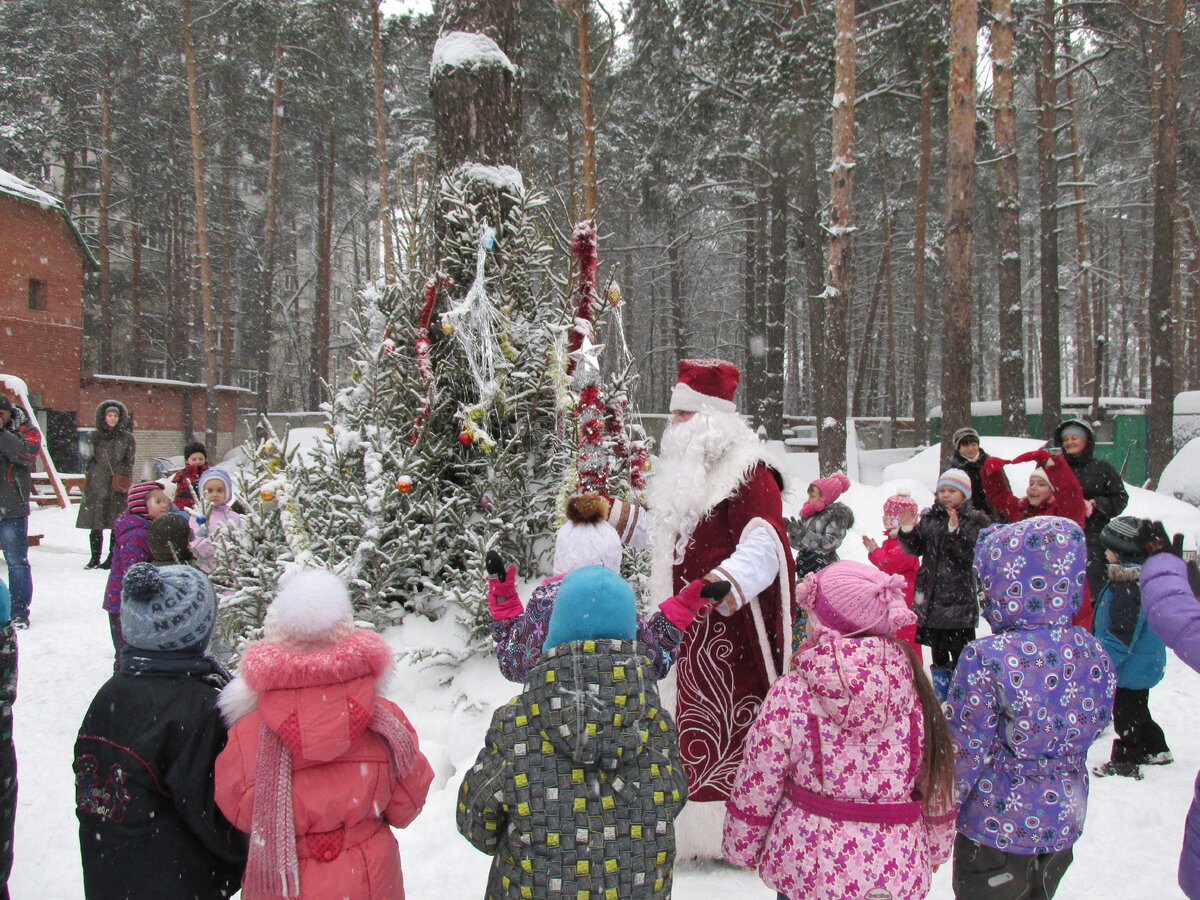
point(969, 456)
point(108, 454)
point(716, 514)
point(20, 443)
point(1104, 494)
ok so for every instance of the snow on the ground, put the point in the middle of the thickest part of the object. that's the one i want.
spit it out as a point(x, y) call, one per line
point(1129, 849)
point(1181, 477)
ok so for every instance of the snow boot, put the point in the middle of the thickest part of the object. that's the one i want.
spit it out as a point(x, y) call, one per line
point(940, 676)
point(96, 539)
point(1126, 769)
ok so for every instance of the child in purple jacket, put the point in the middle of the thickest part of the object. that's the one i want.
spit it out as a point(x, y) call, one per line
point(585, 539)
point(1025, 705)
point(146, 501)
point(1169, 602)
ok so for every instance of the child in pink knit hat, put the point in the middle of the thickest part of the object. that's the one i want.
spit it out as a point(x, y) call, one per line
point(822, 525)
point(846, 787)
point(889, 557)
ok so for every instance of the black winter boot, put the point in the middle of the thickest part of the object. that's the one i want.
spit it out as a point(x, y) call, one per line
point(96, 539)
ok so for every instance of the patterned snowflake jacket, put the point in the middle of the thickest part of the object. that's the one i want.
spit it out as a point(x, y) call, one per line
point(1027, 701)
point(824, 802)
point(519, 637)
point(579, 781)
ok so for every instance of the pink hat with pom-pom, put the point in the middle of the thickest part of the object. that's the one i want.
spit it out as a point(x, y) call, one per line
point(832, 487)
point(894, 506)
point(855, 600)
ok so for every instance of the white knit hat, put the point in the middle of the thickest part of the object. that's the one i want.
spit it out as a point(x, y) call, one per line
point(311, 610)
point(586, 544)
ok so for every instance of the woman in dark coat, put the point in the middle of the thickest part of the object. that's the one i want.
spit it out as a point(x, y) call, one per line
point(1103, 492)
point(108, 451)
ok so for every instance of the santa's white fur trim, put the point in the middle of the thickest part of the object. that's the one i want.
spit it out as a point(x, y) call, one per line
point(685, 398)
point(728, 474)
point(312, 609)
point(699, 828)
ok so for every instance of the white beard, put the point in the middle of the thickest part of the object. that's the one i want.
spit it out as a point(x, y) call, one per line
point(678, 492)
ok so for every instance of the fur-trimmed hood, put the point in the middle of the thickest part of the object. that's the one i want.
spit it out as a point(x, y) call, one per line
point(318, 702)
point(124, 423)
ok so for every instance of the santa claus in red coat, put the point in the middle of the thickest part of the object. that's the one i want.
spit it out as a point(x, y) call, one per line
point(715, 514)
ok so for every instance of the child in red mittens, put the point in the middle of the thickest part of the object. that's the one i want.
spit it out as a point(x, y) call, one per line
point(585, 539)
point(195, 458)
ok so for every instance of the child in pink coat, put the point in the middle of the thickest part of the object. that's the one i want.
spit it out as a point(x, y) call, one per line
point(891, 558)
point(846, 785)
point(307, 722)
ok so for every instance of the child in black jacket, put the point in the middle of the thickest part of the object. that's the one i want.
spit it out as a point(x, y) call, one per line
point(148, 822)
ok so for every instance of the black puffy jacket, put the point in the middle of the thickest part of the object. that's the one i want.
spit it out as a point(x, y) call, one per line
point(944, 595)
point(148, 822)
point(1101, 482)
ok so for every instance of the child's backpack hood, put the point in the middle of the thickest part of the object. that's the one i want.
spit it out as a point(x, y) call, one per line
point(1033, 572)
point(319, 702)
point(849, 682)
point(595, 701)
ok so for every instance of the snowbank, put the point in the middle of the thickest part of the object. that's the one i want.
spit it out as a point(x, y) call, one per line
point(1181, 477)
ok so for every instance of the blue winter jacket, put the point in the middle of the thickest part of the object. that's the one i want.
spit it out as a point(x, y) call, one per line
point(1028, 700)
point(1138, 655)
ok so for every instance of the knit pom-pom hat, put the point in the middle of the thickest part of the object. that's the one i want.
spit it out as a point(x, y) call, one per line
point(311, 610)
point(586, 538)
point(1041, 475)
point(832, 487)
point(137, 494)
point(167, 607)
point(956, 478)
point(220, 475)
point(850, 599)
point(894, 505)
point(592, 603)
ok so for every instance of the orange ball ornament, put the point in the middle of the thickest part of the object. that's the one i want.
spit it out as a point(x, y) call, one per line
point(404, 484)
point(266, 495)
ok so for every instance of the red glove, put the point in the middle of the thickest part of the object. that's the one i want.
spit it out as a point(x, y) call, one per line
point(503, 600)
point(1041, 457)
point(681, 609)
point(994, 464)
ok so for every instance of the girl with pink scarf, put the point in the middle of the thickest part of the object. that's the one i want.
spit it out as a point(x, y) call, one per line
point(318, 765)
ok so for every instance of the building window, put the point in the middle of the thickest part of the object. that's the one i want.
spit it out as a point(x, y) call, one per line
point(37, 294)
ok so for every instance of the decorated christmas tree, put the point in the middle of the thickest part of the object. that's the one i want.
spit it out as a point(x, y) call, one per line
point(474, 404)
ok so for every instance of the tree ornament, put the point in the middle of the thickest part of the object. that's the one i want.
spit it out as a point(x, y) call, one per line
point(389, 346)
point(465, 438)
point(614, 295)
point(404, 484)
point(447, 327)
point(329, 429)
point(266, 495)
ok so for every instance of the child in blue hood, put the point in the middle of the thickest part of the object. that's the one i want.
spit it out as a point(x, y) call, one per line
point(1025, 704)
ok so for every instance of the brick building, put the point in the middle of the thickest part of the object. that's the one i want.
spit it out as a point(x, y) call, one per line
point(43, 262)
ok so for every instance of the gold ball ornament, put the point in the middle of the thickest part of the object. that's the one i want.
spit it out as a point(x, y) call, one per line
point(266, 495)
point(268, 448)
point(404, 484)
point(447, 327)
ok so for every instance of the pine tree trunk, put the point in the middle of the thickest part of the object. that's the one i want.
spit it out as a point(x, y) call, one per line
point(1008, 226)
point(135, 295)
point(381, 153)
point(960, 187)
point(266, 293)
point(752, 379)
point(1082, 252)
point(920, 226)
point(209, 335)
point(831, 429)
point(1162, 384)
point(323, 288)
point(676, 299)
point(776, 309)
point(583, 30)
point(1046, 81)
point(103, 234)
point(227, 260)
point(1193, 344)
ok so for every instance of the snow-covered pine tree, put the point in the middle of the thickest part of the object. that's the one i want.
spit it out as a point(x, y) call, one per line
point(455, 434)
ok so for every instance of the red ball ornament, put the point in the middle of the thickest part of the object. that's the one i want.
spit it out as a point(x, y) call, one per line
point(465, 439)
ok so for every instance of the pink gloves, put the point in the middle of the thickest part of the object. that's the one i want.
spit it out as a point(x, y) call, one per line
point(1041, 457)
point(681, 609)
point(502, 597)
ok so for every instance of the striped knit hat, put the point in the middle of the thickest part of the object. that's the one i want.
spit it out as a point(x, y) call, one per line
point(138, 492)
point(956, 478)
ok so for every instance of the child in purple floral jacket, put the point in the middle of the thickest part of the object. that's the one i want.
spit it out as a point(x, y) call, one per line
point(585, 539)
point(1025, 705)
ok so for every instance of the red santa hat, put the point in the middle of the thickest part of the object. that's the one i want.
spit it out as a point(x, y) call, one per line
point(705, 385)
